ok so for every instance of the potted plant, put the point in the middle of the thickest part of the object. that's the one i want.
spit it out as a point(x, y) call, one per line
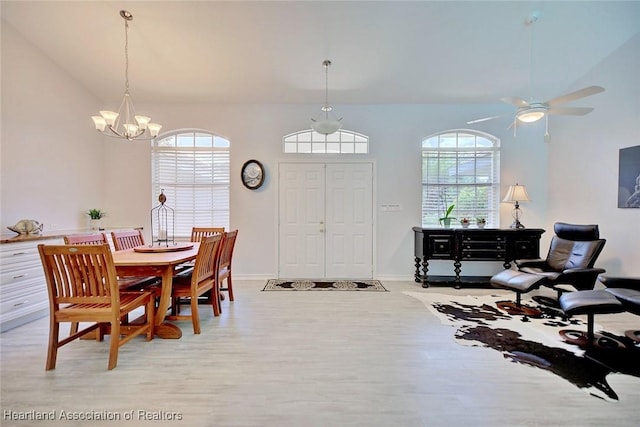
point(95, 217)
point(447, 218)
point(464, 222)
point(481, 222)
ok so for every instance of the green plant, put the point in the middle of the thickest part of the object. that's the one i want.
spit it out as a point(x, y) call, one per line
point(481, 220)
point(96, 214)
point(447, 214)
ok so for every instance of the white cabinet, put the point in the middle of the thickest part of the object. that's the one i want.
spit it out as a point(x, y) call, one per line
point(23, 288)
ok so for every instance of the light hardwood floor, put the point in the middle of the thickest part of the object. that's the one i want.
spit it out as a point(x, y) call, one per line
point(304, 359)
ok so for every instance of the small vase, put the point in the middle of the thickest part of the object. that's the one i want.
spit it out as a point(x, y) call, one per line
point(446, 222)
point(464, 224)
point(95, 224)
point(481, 225)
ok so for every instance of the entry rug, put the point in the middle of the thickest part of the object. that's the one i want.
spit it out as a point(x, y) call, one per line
point(319, 285)
point(536, 341)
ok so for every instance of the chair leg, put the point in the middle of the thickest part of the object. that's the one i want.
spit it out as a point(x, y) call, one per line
point(215, 300)
point(115, 344)
point(195, 316)
point(52, 352)
point(150, 317)
point(590, 327)
point(230, 287)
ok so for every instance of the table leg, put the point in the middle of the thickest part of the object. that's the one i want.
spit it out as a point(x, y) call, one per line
point(165, 329)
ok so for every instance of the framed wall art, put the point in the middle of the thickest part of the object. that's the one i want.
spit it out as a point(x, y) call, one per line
point(629, 178)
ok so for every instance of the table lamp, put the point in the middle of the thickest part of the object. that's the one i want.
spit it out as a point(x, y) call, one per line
point(517, 193)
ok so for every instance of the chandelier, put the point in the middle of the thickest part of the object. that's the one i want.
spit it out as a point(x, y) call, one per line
point(125, 123)
point(324, 124)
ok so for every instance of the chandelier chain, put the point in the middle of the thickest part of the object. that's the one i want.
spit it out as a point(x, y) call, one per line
point(126, 55)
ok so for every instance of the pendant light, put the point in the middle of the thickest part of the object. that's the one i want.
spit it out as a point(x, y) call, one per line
point(125, 123)
point(325, 123)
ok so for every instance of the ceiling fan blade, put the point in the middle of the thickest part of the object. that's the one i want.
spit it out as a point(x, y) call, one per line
point(570, 111)
point(484, 119)
point(517, 101)
point(582, 93)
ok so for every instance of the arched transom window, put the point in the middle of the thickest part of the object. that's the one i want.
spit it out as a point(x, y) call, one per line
point(310, 142)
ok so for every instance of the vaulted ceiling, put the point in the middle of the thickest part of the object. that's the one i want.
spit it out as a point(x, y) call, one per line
point(272, 51)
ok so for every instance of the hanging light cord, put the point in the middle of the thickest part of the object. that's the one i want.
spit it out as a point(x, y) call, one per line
point(126, 54)
point(326, 107)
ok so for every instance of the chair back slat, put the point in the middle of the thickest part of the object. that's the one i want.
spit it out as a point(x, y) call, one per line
point(197, 233)
point(127, 239)
point(79, 274)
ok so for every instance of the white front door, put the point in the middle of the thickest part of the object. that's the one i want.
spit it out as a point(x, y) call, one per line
point(326, 220)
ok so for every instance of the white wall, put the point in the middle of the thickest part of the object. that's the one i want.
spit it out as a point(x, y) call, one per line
point(52, 167)
point(55, 166)
point(583, 160)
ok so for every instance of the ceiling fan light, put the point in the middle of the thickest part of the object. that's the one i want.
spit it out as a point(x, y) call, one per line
point(530, 115)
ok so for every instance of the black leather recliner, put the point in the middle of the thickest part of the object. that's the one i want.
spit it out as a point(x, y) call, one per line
point(570, 261)
point(571, 258)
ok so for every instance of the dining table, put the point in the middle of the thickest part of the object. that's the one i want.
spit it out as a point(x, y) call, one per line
point(157, 261)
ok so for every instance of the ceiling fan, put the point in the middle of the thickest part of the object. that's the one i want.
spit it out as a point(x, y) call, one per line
point(532, 111)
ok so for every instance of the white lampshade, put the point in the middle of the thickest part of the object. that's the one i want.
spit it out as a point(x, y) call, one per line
point(516, 193)
point(130, 129)
point(109, 116)
point(154, 129)
point(143, 121)
point(100, 122)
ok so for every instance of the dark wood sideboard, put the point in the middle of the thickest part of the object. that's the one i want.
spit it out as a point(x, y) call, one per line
point(471, 244)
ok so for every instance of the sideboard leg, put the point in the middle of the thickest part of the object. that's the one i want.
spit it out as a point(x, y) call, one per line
point(425, 269)
point(457, 264)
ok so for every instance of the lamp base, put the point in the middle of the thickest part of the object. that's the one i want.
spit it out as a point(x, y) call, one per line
point(517, 224)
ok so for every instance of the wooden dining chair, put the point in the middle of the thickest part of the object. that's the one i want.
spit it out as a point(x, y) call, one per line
point(83, 287)
point(202, 279)
point(224, 264)
point(197, 233)
point(124, 283)
point(127, 239)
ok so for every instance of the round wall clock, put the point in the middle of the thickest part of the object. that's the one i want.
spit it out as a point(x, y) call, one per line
point(252, 174)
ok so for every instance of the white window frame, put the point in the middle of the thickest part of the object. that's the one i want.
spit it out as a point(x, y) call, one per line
point(310, 142)
point(195, 177)
point(461, 167)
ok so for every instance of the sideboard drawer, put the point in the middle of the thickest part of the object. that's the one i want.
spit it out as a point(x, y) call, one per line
point(440, 247)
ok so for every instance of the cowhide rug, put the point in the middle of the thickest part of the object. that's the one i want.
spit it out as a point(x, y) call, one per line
point(536, 342)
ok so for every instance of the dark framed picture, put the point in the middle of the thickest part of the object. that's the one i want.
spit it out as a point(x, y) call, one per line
point(629, 178)
point(252, 174)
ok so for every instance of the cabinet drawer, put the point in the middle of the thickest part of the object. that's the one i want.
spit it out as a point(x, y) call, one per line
point(440, 247)
point(483, 254)
point(29, 273)
point(19, 303)
point(483, 244)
